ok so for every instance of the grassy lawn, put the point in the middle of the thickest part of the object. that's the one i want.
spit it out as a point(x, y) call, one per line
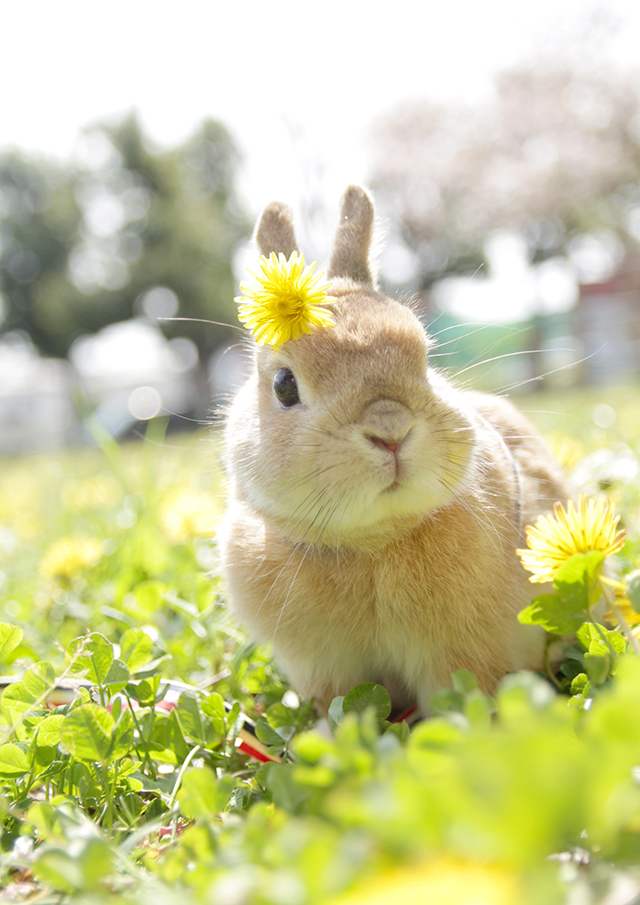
point(140, 789)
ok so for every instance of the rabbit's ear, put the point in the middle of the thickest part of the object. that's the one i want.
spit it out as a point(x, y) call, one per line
point(352, 242)
point(275, 232)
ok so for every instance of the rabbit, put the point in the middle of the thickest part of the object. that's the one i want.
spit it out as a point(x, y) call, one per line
point(373, 517)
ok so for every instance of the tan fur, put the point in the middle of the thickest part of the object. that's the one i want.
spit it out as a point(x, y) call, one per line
point(275, 232)
point(352, 242)
point(358, 563)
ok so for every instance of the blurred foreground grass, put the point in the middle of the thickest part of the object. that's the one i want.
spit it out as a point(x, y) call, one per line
point(540, 805)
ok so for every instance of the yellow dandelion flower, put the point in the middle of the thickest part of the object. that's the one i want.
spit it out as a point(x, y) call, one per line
point(189, 514)
point(285, 302)
point(444, 881)
point(622, 606)
point(568, 451)
point(70, 556)
point(555, 538)
point(91, 493)
point(625, 609)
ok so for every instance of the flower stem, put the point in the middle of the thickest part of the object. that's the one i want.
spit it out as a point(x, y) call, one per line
point(109, 795)
point(547, 665)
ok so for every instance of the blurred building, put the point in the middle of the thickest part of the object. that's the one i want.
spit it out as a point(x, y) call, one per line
point(607, 323)
point(36, 399)
point(129, 372)
point(126, 374)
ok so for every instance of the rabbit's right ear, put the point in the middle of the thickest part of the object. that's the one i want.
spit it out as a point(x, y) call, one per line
point(350, 255)
point(275, 232)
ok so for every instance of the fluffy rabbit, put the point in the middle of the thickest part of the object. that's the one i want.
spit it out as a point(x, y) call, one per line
point(374, 514)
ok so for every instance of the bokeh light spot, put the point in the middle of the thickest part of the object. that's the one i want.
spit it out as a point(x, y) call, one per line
point(144, 403)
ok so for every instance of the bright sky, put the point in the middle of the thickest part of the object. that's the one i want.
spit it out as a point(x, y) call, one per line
point(297, 83)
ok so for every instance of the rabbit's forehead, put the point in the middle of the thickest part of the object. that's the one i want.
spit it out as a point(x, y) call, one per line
point(370, 334)
point(373, 340)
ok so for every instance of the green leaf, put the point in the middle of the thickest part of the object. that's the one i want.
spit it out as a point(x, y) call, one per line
point(446, 700)
point(35, 685)
point(81, 869)
point(267, 735)
point(172, 737)
point(612, 641)
point(46, 819)
point(144, 692)
point(554, 614)
point(280, 715)
point(401, 730)
point(336, 713)
point(49, 729)
point(286, 792)
point(162, 755)
point(191, 718)
point(587, 632)
point(573, 652)
point(436, 733)
point(213, 707)
point(13, 762)
point(598, 668)
point(478, 708)
point(464, 681)
point(87, 732)
point(117, 677)
point(368, 695)
point(311, 747)
point(598, 641)
point(152, 669)
point(318, 777)
point(286, 732)
point(45, 756)
point(581, 685)
point(116, 708)
point(150, 596)
point(576, 580)
point(136, 649)
point(235, 721)
point(10, 638)
point(122, 736)
point(202, 795)
point(90, 657)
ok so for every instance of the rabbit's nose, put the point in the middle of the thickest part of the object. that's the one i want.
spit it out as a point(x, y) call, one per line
point(391, 445)
point(386, 423)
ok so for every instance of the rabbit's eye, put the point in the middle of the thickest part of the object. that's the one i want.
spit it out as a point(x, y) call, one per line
point(285, 387)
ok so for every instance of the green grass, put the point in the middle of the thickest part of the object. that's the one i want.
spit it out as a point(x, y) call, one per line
point(108, 572)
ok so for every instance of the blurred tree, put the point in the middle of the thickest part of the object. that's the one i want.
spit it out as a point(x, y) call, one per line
point(130, 231)
point(39, 223)
point(555, 155)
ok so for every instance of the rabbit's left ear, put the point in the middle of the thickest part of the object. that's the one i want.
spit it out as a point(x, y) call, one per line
point(275, 232)
point(350, 255)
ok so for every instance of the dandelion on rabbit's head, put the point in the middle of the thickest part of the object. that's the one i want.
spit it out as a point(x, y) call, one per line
point(555, 538)
point(285, 302)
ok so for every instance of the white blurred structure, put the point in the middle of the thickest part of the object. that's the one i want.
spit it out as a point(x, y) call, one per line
point(128, 372)
point(36, 398)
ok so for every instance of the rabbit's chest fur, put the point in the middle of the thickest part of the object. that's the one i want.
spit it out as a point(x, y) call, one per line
point(337, 618)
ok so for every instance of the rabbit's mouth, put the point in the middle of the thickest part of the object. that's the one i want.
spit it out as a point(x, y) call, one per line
point(391, 467)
